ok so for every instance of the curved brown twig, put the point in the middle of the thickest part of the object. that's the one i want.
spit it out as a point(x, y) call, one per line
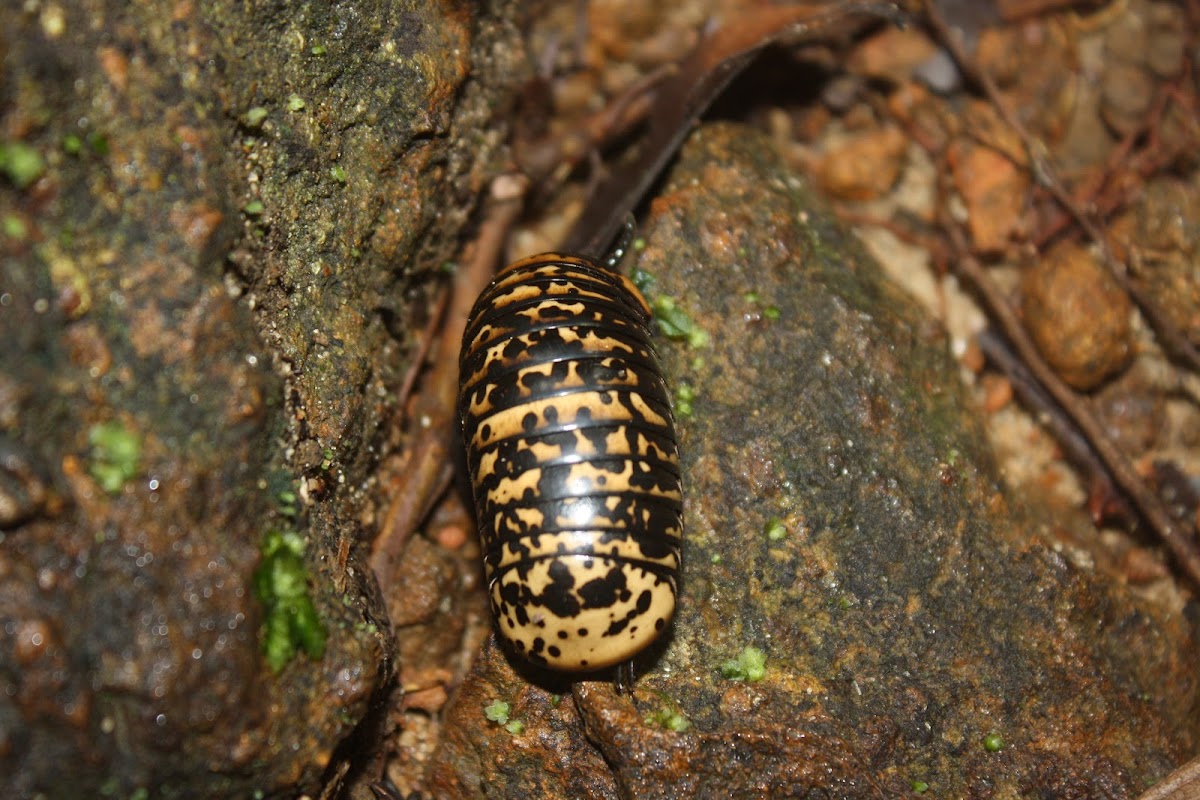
point(428, 466)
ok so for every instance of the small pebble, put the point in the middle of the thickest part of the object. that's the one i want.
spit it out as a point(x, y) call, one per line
point(1078, 316)
point(451, 537)
point(866, 166)
point(997, 392)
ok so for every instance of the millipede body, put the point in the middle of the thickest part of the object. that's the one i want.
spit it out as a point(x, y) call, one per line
point(573, 462)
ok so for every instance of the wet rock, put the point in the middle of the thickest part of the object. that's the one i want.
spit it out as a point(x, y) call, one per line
point(537, 749)
point(845, 522)
point(219, 203)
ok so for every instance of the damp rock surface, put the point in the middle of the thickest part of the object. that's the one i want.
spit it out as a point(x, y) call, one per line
point(865, 609)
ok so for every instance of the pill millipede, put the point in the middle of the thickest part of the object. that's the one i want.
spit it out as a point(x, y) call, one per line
point(573, 461)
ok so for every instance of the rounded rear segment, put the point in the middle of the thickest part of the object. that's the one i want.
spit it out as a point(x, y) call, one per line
point(579, 613)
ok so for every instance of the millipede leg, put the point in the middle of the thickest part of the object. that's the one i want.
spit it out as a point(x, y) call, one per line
point(621, 245)
point(624, 677)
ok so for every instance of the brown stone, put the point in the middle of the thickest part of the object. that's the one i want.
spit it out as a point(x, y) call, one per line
point(1077, 315)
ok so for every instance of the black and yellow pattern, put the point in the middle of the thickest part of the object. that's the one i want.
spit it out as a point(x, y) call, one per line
point(573, 461)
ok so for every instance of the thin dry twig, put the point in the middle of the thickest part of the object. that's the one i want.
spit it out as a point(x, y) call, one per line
point(1182, 784)
point(1105, 191)
point(1077, 449)
point(554, 157)
point(896, 228)
point(428, 465)
point(428, 337)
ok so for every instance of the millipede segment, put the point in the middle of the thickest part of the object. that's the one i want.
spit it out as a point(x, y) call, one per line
point(573, 461)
